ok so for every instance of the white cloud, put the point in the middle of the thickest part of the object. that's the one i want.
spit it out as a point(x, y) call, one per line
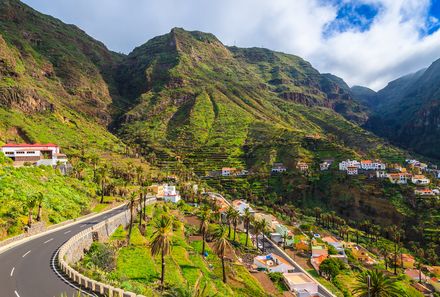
point(391, 47)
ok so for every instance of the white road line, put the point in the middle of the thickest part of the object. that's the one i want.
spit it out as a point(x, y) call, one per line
point(12, 271)
point(67, 232)
point(26, 254)
point(54, 268)
point(48, 241)
point(83, 225)
point(16, 294)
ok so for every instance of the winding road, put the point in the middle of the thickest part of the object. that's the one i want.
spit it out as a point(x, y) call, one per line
point(28, 269)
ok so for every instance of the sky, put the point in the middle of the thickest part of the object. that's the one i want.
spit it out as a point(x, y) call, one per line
point(366, 42)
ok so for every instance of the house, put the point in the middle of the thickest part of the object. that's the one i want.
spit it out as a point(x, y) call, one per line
point(284, 231)
point(170, 194)
point(319, 250)
point(372, 165)
point(241, 205)
point(316, 262)
point(362, 255)
point(301, 284)
point(278, 168)
point(424, 192)
point(156, 190)
point(399, 178)
point(414, 274)
point(36, 154)
point(273, 263)
point(343, 166)
point(420, 180)
point(408, 261)
point(352, 170)
point(324, 166)
point(302, 166)
point(259, 216)
point(338, 245)
point(226, 171)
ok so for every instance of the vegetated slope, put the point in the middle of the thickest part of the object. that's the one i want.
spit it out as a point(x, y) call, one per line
point(56, 82)
point(198, 101)
point(366, 96)
point(408, 112)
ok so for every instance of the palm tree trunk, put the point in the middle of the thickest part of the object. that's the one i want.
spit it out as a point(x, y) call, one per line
point(30, 218)
point(262, 242)
point(229, 230)
point(162, 276)
point(247, 233)
point(102, 192)
point(40, 210)
point(224, 270)
point(145, 208)
point(235, 230)
point(203, 242)
point(130, 228)
point(395, 258)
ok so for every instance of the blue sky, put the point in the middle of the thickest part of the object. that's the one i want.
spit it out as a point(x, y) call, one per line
point(366, 42)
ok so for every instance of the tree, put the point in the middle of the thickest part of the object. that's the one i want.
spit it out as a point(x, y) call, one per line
point(396, 235)
point(419, 264)
point(384, 252)
point(235, 218)
point(39, 199)
point(374, 283)
point(262, 227)
point(229, 215)
point(94, 160)
point(204, 216)
point(31, 203)
point(161, 240)
point(318, 212)
point(247, 219)
point(103, 178)
point(330, 268)
point(221, 243)
point(132, 202)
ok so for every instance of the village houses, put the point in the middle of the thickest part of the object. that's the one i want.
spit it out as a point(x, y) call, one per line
point(241, 205)
point(301, 284)
point(372, 165)
point(399, 178)
point(352, 170)
point(424, 192)
point(302, 166)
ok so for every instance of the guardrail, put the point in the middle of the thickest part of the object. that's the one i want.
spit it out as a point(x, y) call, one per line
point(73, 250)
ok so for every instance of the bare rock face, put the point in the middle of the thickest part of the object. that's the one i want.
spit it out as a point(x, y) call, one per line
point(25, 100)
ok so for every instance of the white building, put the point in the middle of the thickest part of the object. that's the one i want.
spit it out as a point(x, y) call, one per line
point(170, 194)
point(420, 180)
point(343, 166)
point(399, 178)
point(301, 284)
point(278, 168)
point(424, 192)
point(226, 171)
point(352, 170)
point(273, 263)
point(37, 154)
point(372, 165)
point(324, 166)
point(241, 205)
point(381, 174)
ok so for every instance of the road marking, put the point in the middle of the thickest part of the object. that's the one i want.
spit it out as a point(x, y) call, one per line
point(54, 268)
point(12, 271)
point(48, 241)
point(26, 254)
point(67, 232)
point(83, 225)
point(16, 294)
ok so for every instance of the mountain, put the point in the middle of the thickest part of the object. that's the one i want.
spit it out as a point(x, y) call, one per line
point(196, 100)
point(407, 112)
point(365, 95)
point(56, 82)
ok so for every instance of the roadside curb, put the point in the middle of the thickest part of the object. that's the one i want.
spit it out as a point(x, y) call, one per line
point(56, 228)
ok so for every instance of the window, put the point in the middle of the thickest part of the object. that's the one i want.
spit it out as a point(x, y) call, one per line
point(20, 153)
point(29, 153)
point(9, 153)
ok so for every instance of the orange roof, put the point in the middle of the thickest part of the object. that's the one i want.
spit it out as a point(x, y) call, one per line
point(329, 239)
point(228, 169)
point(366, 161)
point(419, 176)
point(407, 257)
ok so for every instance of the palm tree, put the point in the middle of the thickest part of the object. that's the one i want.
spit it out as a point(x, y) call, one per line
point(374, 283)
point(383, 250)
point(396, 235)
point(161, 240)
point(318, 212)
point(31, 203)
point(229, 215)
point(263, 225)
point(94, 160)
point(204, 216)
point(421, 254)
point(39, 199)
point(247, 219)
point(103, 178)
point(130, 226)
point(221, 243)
point(235, 218)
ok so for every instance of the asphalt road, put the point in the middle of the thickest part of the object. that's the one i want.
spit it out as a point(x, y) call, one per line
point(27, 269)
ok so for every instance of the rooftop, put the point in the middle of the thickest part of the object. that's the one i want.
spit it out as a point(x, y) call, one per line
point(30, 145)
point(298, 278)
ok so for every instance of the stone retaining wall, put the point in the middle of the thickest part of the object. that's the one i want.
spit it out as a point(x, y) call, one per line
point(73, 251)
